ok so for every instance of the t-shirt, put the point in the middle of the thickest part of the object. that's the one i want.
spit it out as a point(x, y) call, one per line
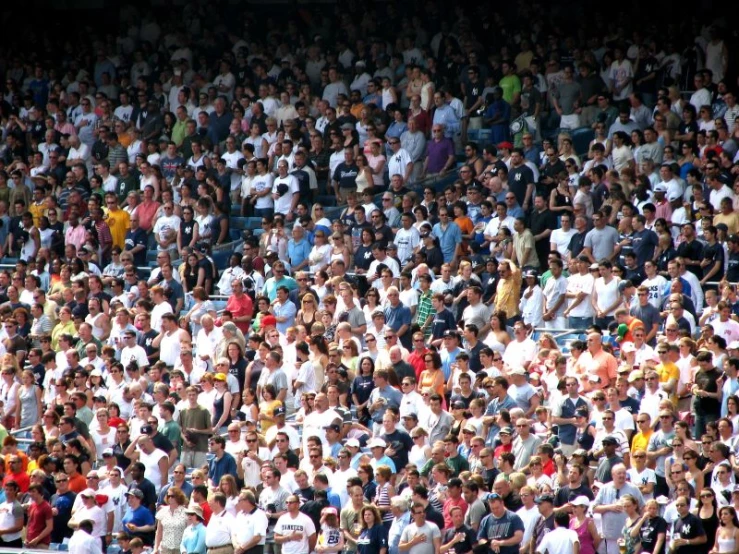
point(558, 541)
point(650, 529)
point(461, 547)
point(688, 527)
point(601, 242)
point(428, 529)
point(38, 514)
point(518, 180)
point(288, 524)
point(502, 528)
point(373, 540)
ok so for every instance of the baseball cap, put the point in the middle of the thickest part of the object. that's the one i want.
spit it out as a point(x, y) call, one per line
point(354, 443)
point(108, 452)
point(134, 492)
point(147, 429)
point(493, 496)
point(505, 144)
point(458, 405)
point(377, 443)
point(505, 431)
point(659, 187)
point(635, 376)
point(674, 196)
point(545, 498)
point(89, 493)
point(517, 371)
point(220, 377)
point(628, 346)
point(278, 411)
point(347, 127)
point(333, 427)
point(581, 500)
point(610, 440)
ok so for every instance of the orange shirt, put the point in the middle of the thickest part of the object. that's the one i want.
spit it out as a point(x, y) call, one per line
point(78, 483)
point(602, 364)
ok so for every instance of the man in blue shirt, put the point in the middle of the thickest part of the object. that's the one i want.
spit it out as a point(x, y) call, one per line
point(497, 389)
point(298, 249)
point(449, 235)
point(222, 464)
point(398, 317)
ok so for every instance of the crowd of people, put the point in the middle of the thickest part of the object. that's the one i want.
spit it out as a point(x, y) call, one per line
point(454, 329)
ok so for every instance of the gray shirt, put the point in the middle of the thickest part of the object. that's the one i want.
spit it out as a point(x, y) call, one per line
point(429, 530)
point(601, 242)
point(414, 144)
point(567, 94)
point(613, 522)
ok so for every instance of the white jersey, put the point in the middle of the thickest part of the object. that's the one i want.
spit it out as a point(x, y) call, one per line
point(656, 286)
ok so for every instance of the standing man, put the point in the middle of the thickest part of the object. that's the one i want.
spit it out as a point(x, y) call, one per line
point(218, 538)
point(607, 503)
point(502, 528)
point(295, 531)
point(420, 531)
point(195, 422)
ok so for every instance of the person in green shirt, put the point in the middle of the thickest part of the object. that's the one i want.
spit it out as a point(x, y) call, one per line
point(169, 427)
point(510, 83)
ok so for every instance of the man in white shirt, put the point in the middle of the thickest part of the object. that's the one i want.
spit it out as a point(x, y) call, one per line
point(294, 531)
point(218, 531)
point(132, 351)
point(251, 523)
point(561, 540)
point(82, 541)
point(207, 340)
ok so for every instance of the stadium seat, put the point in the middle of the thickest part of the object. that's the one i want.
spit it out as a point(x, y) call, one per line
point(581, 140)
point(151, 256)
point(326, 200)
point(239, 223)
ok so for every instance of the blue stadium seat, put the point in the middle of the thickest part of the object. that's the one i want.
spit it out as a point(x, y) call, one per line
point(234, 234)
point(581, 140)
point(239, 223)
point(326, 200)
point(151, 256)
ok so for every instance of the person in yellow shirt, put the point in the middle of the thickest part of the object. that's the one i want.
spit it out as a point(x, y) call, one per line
point(644, 426)
point(38, 206)
point(118, 220)
point(508, 291)
point(668, 372)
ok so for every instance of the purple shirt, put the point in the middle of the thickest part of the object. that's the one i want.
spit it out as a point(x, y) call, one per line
point(438, 154)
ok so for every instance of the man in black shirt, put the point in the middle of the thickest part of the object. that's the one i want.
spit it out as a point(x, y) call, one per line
point(399, 442)
point(713, 257)
point(542, 223)
point(732, 273)
point(577, 242)
point(574, 488)
point(345, 176)
point(459, 537)
point(521, 180)
point(691, 250)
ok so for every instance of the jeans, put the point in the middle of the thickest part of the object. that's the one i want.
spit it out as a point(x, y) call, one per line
point(264, 212)
point(699, 427)
point(604, 322)
point(579, 323)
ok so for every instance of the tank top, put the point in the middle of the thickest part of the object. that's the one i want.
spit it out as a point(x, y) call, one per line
point(187, 229)
point(218, 410)
point(714, 60)
point(29, 406)
point(584, 439)
point(362, 182)
point(29, 249)
point(583, 534)
point(710, 526)
point(46, 235)
point(726, 545)
point(97, 332)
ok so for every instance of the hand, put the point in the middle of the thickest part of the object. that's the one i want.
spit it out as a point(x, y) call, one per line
point(459, 537)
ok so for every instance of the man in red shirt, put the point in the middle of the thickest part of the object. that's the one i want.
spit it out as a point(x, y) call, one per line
point(240, 306)
point(17, 474)
point(40, 519)
point(454, 500)
point(416, 357)
point(546, 453)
